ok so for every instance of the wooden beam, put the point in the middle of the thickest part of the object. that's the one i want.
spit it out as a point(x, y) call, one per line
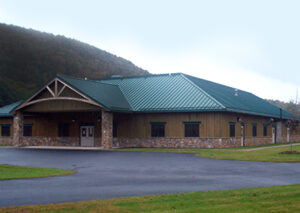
point(55, 87)
point(61, 90)
point(62, 98)
point(52, 93)
point(57, 93)
point(74, 90)
point(35, 94)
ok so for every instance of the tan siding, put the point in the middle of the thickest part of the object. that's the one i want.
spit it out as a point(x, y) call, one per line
point(59, 106)
point(213, 124)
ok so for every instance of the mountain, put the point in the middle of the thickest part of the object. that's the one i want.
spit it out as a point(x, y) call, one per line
point(29, 59)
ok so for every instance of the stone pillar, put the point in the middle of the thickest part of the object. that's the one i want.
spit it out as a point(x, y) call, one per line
point(18, 128)
point(242, 135)
point(107, 129)
point(279, 132)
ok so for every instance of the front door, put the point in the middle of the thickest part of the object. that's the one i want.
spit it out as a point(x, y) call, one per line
point(87, 135)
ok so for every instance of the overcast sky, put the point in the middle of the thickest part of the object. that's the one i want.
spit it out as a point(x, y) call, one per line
point(251, 45)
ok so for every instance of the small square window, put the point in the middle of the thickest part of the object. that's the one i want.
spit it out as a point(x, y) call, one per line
point(158, 129)
point(63, 130)
point(191, 129)
point(27, 130)
point(5, 130)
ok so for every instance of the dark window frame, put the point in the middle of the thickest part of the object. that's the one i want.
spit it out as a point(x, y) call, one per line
point(158, 129)
point(232, 129)
point(265, 130)
point(63, 129)
point(27, 130)
point(254, 130)
point(192, 129)
point(5, 128)
point(115, 129)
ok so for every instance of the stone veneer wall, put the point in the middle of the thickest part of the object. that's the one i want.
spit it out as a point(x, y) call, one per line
point(6, 140)
point(295, 138)
point(50, 141)
point(254, 141)
point(192, 142)
point(106, 128)
point(54, 141)
point(176, 142)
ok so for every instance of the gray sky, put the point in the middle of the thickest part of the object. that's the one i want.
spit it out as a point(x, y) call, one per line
point(251, 45)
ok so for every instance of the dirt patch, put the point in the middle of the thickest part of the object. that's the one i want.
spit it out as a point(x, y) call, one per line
point(289, 152)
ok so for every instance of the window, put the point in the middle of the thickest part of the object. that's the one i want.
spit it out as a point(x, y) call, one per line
point(27, 130)
point(254, 130)
point(265, 130)
point(115, 128)
point(191, 129)
point(63, 130)
point(5, 130)
point(158, 129)
point(232, 129)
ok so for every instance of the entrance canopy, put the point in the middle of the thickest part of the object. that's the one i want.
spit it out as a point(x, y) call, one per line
point(70, 94)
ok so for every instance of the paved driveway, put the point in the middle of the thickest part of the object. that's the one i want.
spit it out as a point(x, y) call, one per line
point(106, 174)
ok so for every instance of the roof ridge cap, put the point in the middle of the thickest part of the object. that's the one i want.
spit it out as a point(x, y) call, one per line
point(208, 95)
point(125, 96)
point(77, 78)
point(139, 76)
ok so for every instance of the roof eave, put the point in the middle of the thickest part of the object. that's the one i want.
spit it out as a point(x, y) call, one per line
point(255, 113)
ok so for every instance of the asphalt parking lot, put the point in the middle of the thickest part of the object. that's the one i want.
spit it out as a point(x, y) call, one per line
point(110, 174)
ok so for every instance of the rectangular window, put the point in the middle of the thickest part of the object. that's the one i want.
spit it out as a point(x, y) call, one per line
point(158, 129)
point(115, 128)
point(5, 130)
point(254, 130)
point(265, 130)
point(191, 129)
point(63, 130)
point(27, 130)
point(232, 129)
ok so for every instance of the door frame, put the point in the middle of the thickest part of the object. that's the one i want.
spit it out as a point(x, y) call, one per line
point(87, 126)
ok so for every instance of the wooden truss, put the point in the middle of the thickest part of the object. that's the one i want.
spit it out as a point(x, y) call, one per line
point(54, 91)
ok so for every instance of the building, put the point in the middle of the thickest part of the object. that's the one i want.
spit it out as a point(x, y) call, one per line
point(167, 110)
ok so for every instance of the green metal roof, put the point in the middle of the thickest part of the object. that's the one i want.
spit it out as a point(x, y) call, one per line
point(181, 92)
point(168, 93)
point(164, 93)
point(243, 102)
point(5, 111)
point(108, 95)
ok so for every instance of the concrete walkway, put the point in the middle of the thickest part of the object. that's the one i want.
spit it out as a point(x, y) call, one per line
point(62, 147)
point(267, 147)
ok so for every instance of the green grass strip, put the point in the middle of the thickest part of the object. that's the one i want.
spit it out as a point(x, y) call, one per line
point(264, 199)
point(8, 172)
point(268, 155)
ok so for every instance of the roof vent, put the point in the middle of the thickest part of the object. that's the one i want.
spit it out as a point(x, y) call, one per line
point(236, 92)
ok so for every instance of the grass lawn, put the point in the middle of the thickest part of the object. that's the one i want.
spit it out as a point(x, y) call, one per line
point(8, 172)
point(265, 199)
point(270, 154)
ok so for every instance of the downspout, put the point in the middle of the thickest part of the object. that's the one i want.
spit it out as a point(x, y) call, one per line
point(279, 128)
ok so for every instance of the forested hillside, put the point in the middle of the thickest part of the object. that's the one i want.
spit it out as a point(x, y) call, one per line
point(29, 59)
point(288, 106)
